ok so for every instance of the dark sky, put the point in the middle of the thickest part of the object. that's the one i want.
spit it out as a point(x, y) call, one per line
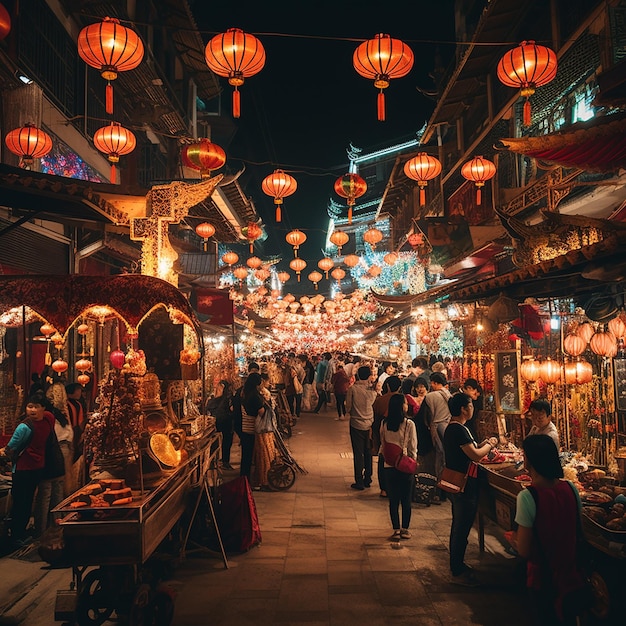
point(301, 112)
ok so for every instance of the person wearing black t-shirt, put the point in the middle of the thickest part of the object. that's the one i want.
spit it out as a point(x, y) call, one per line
point(461, 454)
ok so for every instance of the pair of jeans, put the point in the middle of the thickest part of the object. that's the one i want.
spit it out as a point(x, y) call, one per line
point(380, 472)
point(247, 453)
point(362, 454)
point(464, 508)
point(399, 491)
point(341, 403)
point(322, 398)
point(23, 486)
point(295, 403)
point(49, 495)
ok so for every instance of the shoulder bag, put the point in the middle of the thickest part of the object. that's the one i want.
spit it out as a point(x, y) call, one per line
point(404, 463)
point(452, 481)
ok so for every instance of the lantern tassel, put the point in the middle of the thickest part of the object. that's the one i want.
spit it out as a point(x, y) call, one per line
point(112, 177)
point(422, 196)
point(350, 214)
point(478, 196)
point(236, 103)
point(527, 113)
point(278, 214)
point(315, 286)
point(381, 106)
point(298, 276)
point(251, 247)
point(109, 98)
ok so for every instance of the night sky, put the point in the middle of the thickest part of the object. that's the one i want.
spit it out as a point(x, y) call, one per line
point(302, 111)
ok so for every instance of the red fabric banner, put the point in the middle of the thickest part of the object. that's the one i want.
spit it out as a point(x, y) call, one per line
point(215, 304)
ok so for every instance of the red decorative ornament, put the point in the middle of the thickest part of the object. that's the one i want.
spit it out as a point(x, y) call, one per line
point(617, 327)
point(60, 366)
point(115, 141)
point(283, 277)
point(315, 278)
point(326, 264)
point(5, 22)
point(338, 274)
point(28, 143)
point(351, 260)
point(254, 262)
point(391, 258)
point(375, 270)
point(350, 186)
point(415, 239)
point(47, 330)
point(550, 371)
point(381, 59)
point(83, 379)
point(279, 185)
point(297, 265)
point(530, 370)
point(574, 344)
point(603, 344)
point(82, 365)
point(525, 68)
point(373, 236)
point(578, 372)
point(422, 168)
point(235, 55)
point(478, 170)
point(110, 48)
point(205, 231)
point(82, 329)
point(117, 359)
point(230, 258)
point(203, 156)
point(252, 232)
point(240, 273)
point(295, 238)
point(340, 239)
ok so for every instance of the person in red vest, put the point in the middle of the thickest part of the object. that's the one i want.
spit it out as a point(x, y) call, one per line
point(77, 413)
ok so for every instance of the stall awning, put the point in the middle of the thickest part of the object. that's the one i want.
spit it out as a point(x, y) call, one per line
point(597, 146)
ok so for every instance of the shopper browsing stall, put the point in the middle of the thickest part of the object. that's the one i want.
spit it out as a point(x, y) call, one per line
point(540, 412)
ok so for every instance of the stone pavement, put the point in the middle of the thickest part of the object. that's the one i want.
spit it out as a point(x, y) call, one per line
point(324, 560)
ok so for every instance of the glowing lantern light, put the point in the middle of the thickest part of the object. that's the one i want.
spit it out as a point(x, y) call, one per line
point(252, 232)
point(283, 277)
point(373, 236)
point(240, 273)
point(617, 327)
point(574, 344)
point(5, 22)
point(578, 372)
point(603, 344)
point(297, 265)
point(525, 68)
point(28, 143)
point(338, 274)
point(422, 168)
point(83, 379)
point(279, 185)
point(381, 59)
point(262, 274)
point(110, 48)
point(340, 239)
point(82, 365)
point(351, 260)
point(530, 370)
point(350, 186)
point(254, 262)
point(115, 141)
point(326, 264)
point(315, 277)
point(47, 329)
point(230, 258)
point(203, 156)
point(82, 329)
point(375, 270)
point(295, 238)
point(478, 170)
point(60, 366)
point(586, 331)
point(391, 258)
point(550, 371)
point(205, 231)
point(117, 358)
point(235, 55)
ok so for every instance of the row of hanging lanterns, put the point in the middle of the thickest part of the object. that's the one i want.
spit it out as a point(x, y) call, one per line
point(550, 372)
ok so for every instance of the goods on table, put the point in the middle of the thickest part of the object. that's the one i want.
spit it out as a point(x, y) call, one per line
point(101, 494)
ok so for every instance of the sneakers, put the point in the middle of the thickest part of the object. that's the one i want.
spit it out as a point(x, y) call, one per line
point(405, 534)
point(466, 579)
point(397, 535)
point(357, 486)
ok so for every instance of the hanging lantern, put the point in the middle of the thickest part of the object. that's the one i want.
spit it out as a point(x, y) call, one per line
point(550, 371)
point(617, 327)
point(57, 339)
point(350, 186)
point(82, 379)
point(381, 59)
point(279, 185)
point(254, 262)
point(117, 359)
point(28, 143)
point(297, 265)
point(262, 274)
point(295, 238)
point(391, 258)
point(338, 274)
point(326, 264)
point(574, 344)
point(340, 239)
point(283, 277)
point(530, 370)
point(205, 231)
point(230, 258)
point(375, 270)
point(422, 168)
point(47, 329)
point(373, 236)
point(586, 331)
point(60, 366)
point(415, 239)
point(315, 278)
point(82, 365)
point(478, 170)
point(203, 156)
point(252, 232)
point(82, 329)
point(240, 273)
point(525, 68)
point(351, 260)
point(115, 141)
point(578, 372)
point(235, 55)
point(110, 48)
point(603, 344)
point(5, 22)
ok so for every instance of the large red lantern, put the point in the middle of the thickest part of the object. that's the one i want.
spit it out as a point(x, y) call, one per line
point(422, 168)
point(340, 239)
point(338, 274)
point(603, 343)
point(283, 277)
point(117, 358)
point(110, 48)
point(5, 22)
point(60, 366)
point(315, 278)
point(295, 238)
point(527, 67)
point(205, 230)
point(203, 156)
point(28, 143)
point(530, 370)
point(254, 262)
point(373, 236)
point(574, 344)
point(240, 273)
point(350, 186)
point(235, 55)
point(550, 371)
point(252, 232)
point(279, 185)
point(478, 170)
point(351, 260)
point(381, 59)
point(326, 264)
point(115, 141)
point(230, 257)
point(297, 265)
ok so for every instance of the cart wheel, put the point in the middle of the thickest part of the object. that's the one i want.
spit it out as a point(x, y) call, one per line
point(93, 606)
point(281, 477)
point(602, 597)
point(163, 607)
point(142, 609)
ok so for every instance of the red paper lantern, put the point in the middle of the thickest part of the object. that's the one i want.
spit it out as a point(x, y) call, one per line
point(205, 231)
point(550, 371)
point(279, 185)
point(326, 264)
point(617, 327)
point(315, 277)
point(297, 265)
point(415, 239)
point(352, 260)
point(117, 358)
point(240, 273)
point(235, 55)
point(574, 344)
point(391, 258)
point(5, 22)
point(375, 270)
point(340, 239)
point(295, 238)
point(115, 141)
point(82, 365)
point(350, 186)
point(530, 370)
point(230, 258)
point(252, 232)
point(373, 236)
point(47, 329)
point(586, 331)
point(203, 156)
point(603, 344)
point(82, 329)
point(254, 262)
point(83, 379)
point(28, 143)
point(381, 59)
point(422, 168)
point(60, 366)
point(338, 274)
point(478, 170)
point(527, 67)
point(283, 277)
point(110, 48)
